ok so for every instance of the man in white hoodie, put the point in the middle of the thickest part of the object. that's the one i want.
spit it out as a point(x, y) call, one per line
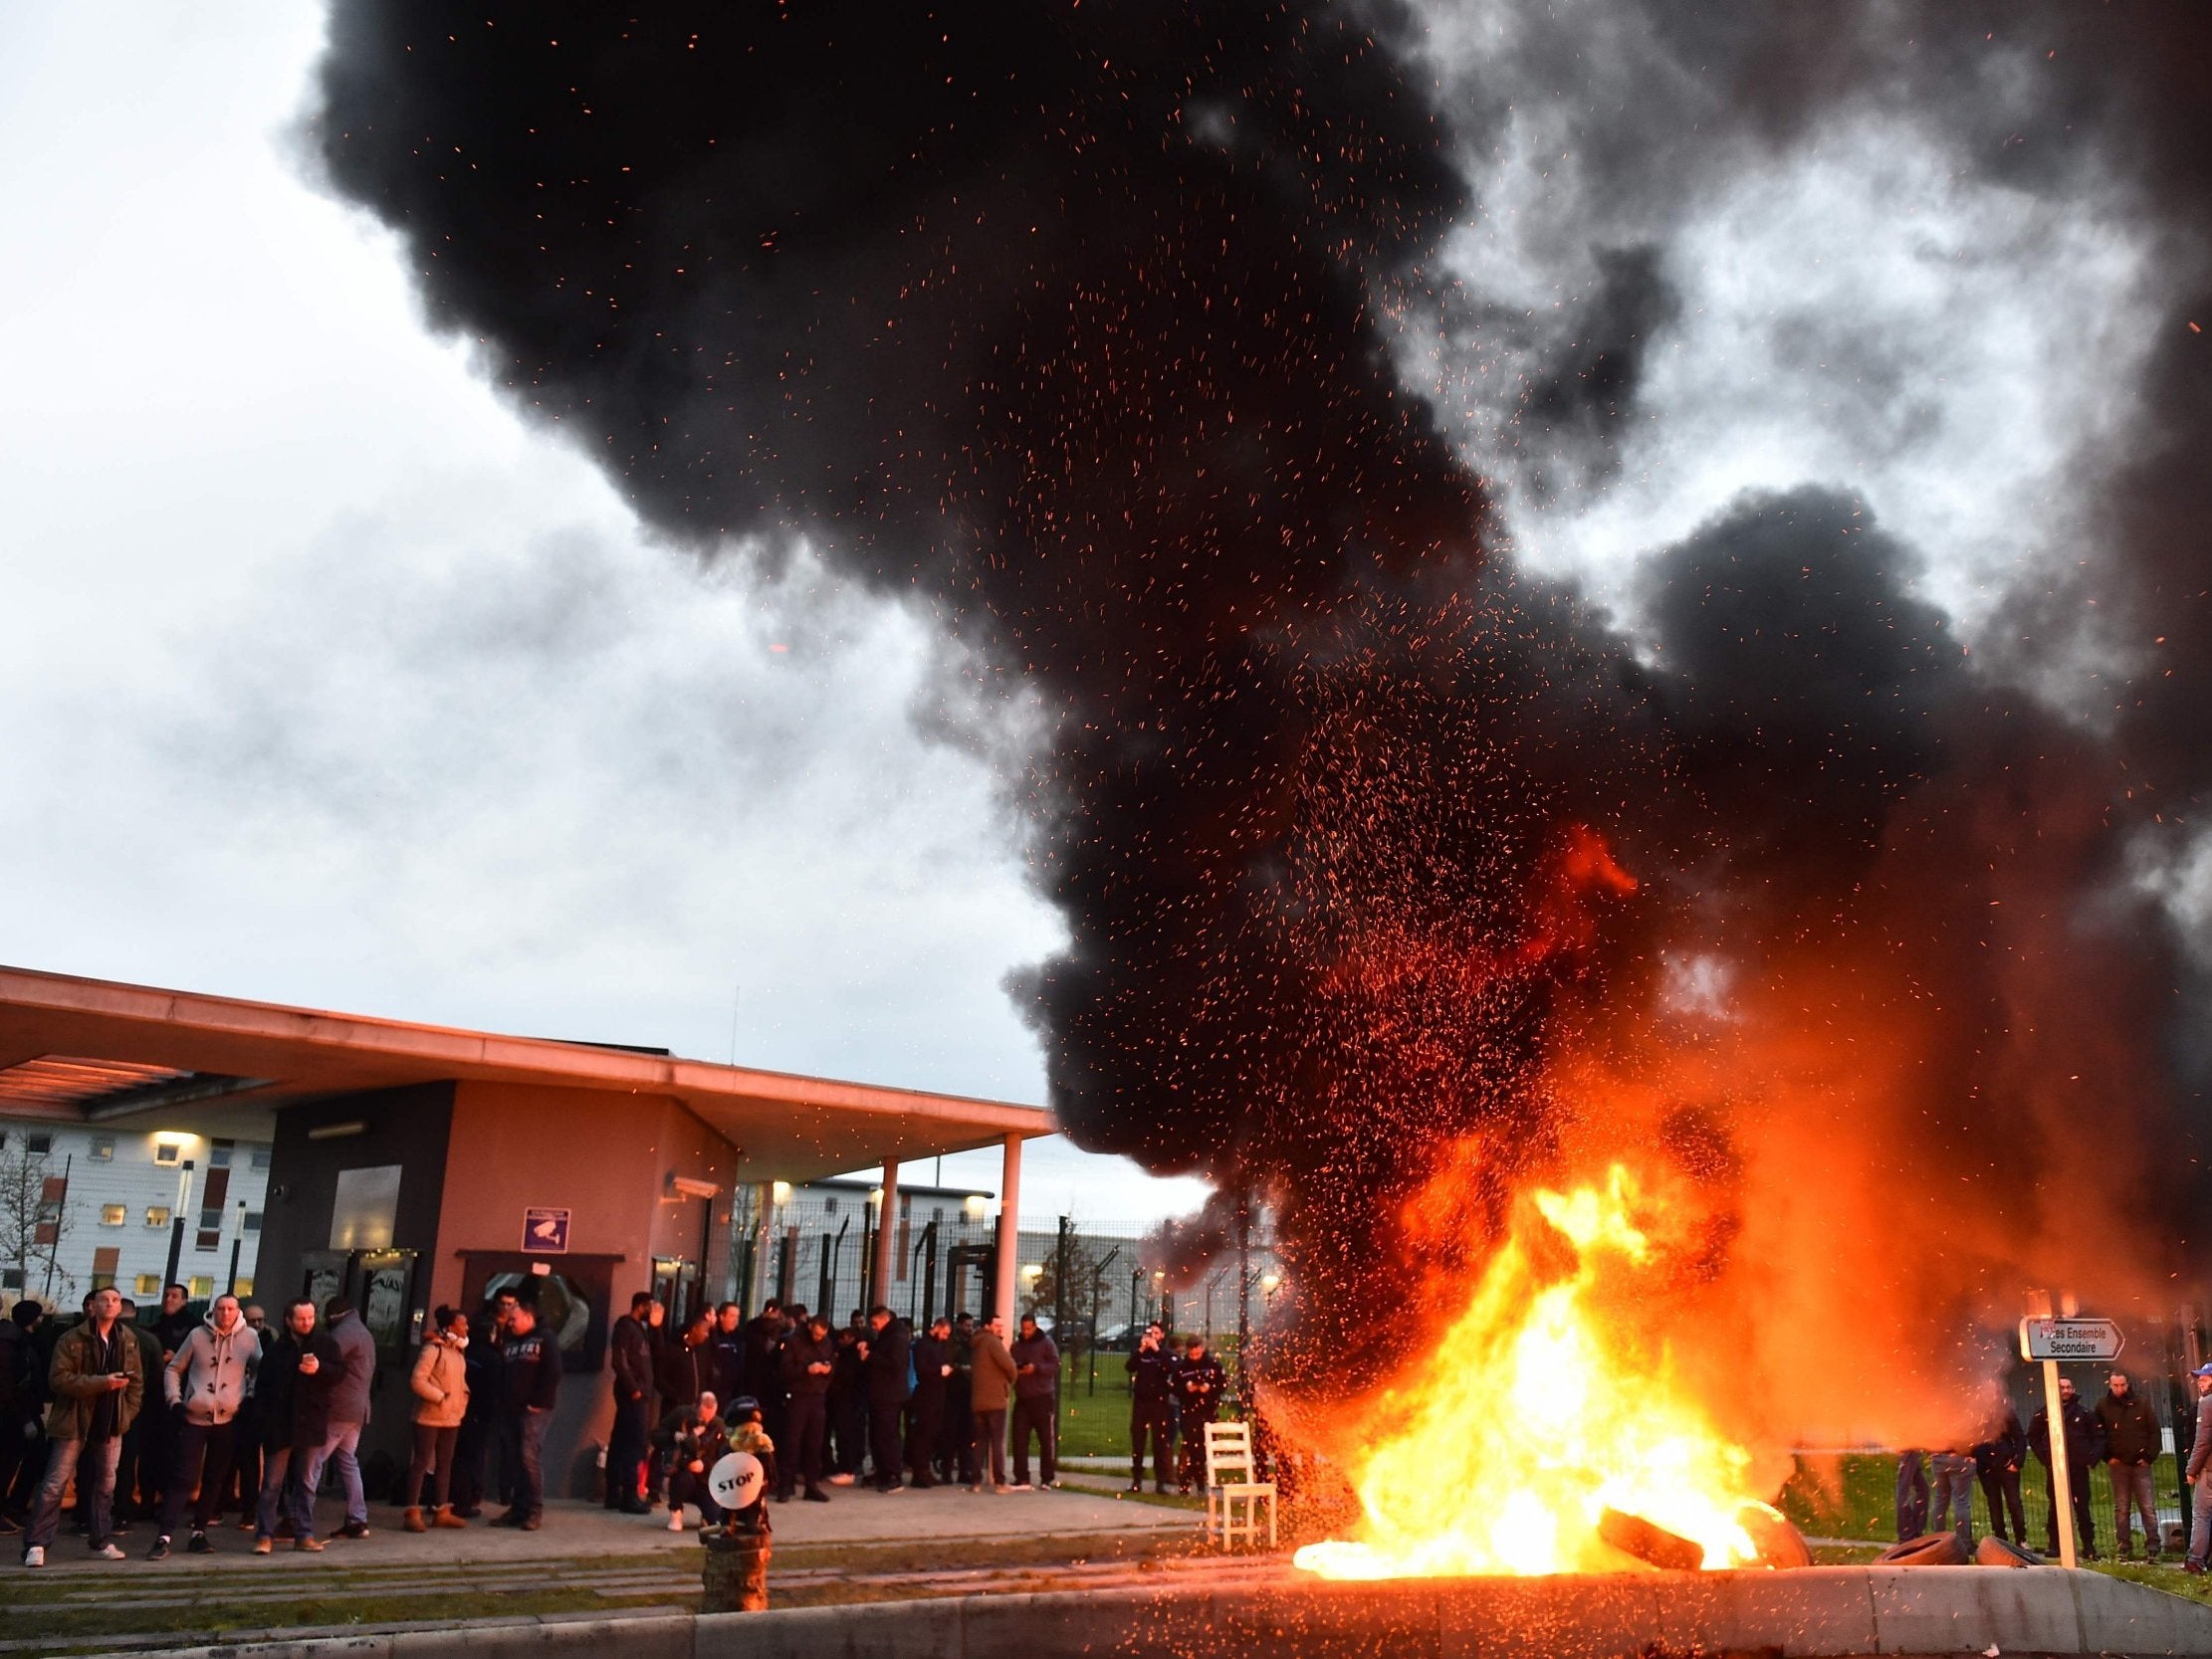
point(205, 1383)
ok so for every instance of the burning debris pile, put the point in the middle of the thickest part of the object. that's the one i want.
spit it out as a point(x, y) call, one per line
point(1608, 1018)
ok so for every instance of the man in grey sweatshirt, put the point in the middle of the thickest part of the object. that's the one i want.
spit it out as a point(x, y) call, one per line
point(204, 1384)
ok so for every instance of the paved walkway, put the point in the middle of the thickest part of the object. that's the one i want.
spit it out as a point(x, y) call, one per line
point(582, 1531)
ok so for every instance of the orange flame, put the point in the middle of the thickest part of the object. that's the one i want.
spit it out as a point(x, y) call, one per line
point(1549, 1401)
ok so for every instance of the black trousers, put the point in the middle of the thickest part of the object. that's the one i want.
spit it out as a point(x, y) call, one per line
point(956, 1439)
point(883, 1441)
point(849, 1417)
point(625, 1451)
point(1193, 1446)
point(2001, 1491)
point(810, 1430)
point(1149, 1418)
point(201, 1459)
point(1039, 1417)
point(2084, 1512)
point(925, 1421)
point(472, 1455)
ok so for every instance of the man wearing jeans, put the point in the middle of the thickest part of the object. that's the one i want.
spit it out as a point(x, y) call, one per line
point(2131, 1444)
point(2200, 1484)
point(97, 1381)
point(348, 1406)
point(529, 1361)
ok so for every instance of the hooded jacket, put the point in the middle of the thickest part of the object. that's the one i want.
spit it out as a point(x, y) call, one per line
point(1044, 1379)
point(210, 1371)
point(530, 1365)
point(441, 1383)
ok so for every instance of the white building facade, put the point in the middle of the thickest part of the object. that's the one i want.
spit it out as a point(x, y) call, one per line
point(105, 1203)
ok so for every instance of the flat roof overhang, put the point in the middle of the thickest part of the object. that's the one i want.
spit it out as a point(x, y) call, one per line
point(234, 1062)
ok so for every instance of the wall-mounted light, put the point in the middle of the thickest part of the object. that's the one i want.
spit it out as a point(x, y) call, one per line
point(337, 1132)
point(875, 1195)
point(174, 1137)
point(780, 1191)
point(1033, 1272)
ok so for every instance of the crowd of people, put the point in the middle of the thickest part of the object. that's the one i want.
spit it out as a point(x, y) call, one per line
point(178, 1422)
point(1935, 1488)
point(870, 1402)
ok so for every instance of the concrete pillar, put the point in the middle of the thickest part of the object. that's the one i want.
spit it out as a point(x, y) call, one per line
point(887, 1232)
point(1009, 1232)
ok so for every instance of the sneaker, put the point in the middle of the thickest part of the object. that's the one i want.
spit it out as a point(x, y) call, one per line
point(840, 1480)
point(161, 1550)
point(312, 1544)
point(1139, 1485)
point(815, 1495)
point(353, 1528)
point(1018, 1486)
point(532, 1524)
point(110, 1551)
point(978, 1487)
point(262, 1545)
point(35, 1556)
point(247, 1523)
point(675, 1521)
point(197, 1544)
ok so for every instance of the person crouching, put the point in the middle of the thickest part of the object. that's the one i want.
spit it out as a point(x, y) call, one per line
point(696, 1440)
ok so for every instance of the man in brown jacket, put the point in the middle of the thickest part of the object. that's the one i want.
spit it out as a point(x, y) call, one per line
point(993, 1374)
point(97, 1381)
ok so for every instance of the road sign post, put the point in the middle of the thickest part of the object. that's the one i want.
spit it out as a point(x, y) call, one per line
point(2050, 1340)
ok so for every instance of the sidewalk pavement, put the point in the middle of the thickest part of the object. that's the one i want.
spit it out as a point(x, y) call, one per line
point(576, 1528)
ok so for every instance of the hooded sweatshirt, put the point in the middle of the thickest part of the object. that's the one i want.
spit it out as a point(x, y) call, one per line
point(208, 1373)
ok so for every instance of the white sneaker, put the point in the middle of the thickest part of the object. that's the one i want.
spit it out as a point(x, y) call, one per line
point(675, 1521)
point(840, 1480)
point(1020, 1486)
point(109, 1552)
point(34, 1555)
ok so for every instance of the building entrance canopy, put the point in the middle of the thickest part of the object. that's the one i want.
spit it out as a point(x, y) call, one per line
point(96, 1050)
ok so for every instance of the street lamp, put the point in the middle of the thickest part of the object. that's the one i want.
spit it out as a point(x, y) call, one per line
point(1269, 1283)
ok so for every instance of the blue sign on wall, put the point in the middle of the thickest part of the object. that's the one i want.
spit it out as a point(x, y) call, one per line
point(546, 1232)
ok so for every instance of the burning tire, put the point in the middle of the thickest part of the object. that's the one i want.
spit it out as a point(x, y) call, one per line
point(1780, 1544)
point(1928, 1550)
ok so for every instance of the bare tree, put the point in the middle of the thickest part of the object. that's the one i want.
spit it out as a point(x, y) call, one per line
point(36, 1215)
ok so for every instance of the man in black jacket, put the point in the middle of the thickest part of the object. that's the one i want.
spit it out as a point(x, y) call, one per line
point(848, 1402)
point(2082, 1430)
point(1149, 1409)
point(1198, 1383)
point(886, 1351)
point(298, 1372)
point(925, 1411)
point(809, 1359)
point(2131, 1446)
point(1037, 1401)
point(726, 1342)
point(1998, 1458)
point(632, 1345)
point(531, 1362)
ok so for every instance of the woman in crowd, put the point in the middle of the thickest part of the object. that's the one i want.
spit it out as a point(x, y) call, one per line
point(441, 1384)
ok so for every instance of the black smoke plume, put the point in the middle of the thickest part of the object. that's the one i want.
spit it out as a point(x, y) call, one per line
point(1074, 324)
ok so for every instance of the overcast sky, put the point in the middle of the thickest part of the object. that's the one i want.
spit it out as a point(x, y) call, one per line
point(328, 680)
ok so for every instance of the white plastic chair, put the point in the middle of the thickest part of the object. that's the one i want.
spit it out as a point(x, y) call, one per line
point(1228, 1481)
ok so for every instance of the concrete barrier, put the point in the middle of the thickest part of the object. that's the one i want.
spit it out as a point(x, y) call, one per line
point(1816, 1613)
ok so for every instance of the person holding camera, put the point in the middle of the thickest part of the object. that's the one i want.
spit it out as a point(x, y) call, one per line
point(1151, 1409)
